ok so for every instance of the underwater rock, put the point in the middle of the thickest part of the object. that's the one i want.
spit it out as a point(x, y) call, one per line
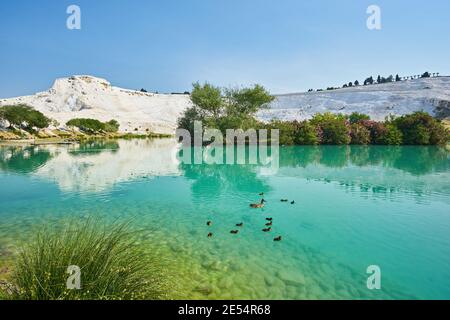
point(291, 279)
point(204, 289)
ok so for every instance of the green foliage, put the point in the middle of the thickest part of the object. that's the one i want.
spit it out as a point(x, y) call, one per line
point(208, 99)
point(287, 131)
point(24, 116)
point(420, 128)
point(392, 136)
point(246, 101)
point(112, 126)
point(335, 129)
point(224, 108)
point(306, 133)
point(112, 265)
point(93, 125)
point(357, 117)
point(359, 134)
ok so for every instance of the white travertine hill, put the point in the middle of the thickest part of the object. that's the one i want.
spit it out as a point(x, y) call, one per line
point(379, 100)
point(91, 97)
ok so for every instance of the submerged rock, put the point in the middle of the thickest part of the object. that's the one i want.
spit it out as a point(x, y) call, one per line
point(291, 279)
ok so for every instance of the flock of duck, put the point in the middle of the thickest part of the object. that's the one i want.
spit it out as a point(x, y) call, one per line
point(260, 205)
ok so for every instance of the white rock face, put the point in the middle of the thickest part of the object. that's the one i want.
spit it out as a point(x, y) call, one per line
point(90, 97)
point(397, 98)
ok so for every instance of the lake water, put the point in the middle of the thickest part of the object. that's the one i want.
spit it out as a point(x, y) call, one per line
point(354, 207)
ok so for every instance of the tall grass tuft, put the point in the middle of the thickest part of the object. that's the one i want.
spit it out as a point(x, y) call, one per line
point(113, 266)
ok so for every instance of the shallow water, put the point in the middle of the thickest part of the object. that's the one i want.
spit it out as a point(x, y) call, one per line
point(354, 207)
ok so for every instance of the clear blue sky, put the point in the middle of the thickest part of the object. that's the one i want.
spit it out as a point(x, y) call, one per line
point(285, 45)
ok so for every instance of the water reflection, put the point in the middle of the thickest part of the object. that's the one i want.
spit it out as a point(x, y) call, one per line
point(92, 166)
point(99, 165)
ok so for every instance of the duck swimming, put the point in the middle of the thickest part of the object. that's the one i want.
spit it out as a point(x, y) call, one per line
point(209, 223)
point(284, 200)
point(269, 224)
point(234, 231)
point(258, 205)
point(269, 219)
point(210, 235)
point(240, 224)
point(261, 194)
point(277, 239)
point(293, 202)
point(267, 229)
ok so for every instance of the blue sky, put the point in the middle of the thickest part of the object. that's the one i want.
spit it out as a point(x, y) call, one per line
point(285, 45)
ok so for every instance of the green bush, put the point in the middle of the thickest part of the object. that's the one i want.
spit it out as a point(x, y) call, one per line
point(306, 133)
point(93, 125)
point(392, 135)
point(287, 131)
point(356, 117)
point(24, 116)
point(359, 134)
point(420, 128)
point(112, 265)
point(335, 129)
point(112, 126)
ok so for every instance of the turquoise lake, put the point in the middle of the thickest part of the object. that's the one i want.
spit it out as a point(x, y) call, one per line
point(355, 206)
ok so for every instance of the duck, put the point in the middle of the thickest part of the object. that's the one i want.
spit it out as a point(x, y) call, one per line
point(277, 238)
point(261, 194)
point(293, 202)
point(258, 205)
point(234, 231)
point(240, 224)
point(209, 223)
point(269, 219)
point(267, 229)
point(210, 235)
point(284, 200)
point(269, 224)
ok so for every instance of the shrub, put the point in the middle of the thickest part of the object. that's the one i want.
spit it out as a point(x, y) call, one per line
point(93, 125)
point(89, 125)
point(24, 116)
point(359, 134)
point(357, 117)
point(112, 265)
point(392, 135)
point(420, 128)
point(112, 126)
point(335, 129)
point(287, 131)
point(306, 133)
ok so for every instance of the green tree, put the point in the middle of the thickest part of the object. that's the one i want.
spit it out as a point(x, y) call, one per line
point(357, 117)
point(334, 128)
point(208, 99)
point(359, 134)
point(24, 116)
point(306, 133)
point(420, 128)
point(225, 108)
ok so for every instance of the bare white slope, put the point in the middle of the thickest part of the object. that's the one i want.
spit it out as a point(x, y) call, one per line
point(397, 98)
point(90, 97)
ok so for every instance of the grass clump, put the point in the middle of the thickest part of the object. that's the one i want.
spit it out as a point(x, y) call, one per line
point(113, 266)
